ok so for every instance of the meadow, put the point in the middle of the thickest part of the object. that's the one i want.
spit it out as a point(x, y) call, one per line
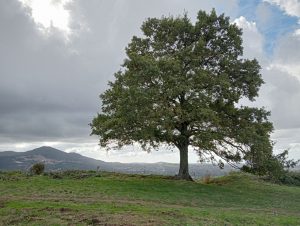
point(102, 198)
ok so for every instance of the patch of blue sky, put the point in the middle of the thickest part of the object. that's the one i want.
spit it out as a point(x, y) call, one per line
point(271, 21)
point(247, 8)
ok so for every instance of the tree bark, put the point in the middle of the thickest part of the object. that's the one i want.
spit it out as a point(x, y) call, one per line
point(184, 164)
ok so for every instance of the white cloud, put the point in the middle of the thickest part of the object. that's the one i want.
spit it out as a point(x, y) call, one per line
point(291, 7)
point(288, 139)
point(287, 54)
point(49, 94)
point(50, 13)
point(91, 149)
point(253, 40)
point(281, 92)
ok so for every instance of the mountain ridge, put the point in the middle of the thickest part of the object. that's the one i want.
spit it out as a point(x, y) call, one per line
point(55, 159)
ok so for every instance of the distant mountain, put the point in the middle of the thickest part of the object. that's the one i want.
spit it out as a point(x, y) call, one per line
point(55, 159)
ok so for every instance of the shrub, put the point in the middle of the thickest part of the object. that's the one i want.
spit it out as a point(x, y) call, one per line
point(11, 175)
point(73, 174)
point(291, 178)
point(275, 168)
point(207, 179)
point(37, 168)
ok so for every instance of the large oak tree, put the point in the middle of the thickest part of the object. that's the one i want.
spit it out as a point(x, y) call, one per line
point(181, 84)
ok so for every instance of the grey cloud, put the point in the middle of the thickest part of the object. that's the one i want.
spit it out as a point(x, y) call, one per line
point(284, 77)
point(43, 84)
point(288, 49)
point(49, 87)
point(284, 96)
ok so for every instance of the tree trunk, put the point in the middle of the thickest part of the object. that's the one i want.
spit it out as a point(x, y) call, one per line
point(184, 164)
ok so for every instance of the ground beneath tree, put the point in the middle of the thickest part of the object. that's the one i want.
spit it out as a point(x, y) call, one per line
point(90, 198)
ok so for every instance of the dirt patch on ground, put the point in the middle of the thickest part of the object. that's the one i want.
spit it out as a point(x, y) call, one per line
point(3, 202)
point(120, 220)
point(68, 216)
point(2, 205)
point(64, 209)
point(94, 200)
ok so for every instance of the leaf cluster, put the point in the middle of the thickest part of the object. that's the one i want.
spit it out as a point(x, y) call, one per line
point(37, 168)
point(275, 167)
point(182, 83)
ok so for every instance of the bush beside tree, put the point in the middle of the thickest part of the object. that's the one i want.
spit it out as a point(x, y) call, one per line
point(37, 168)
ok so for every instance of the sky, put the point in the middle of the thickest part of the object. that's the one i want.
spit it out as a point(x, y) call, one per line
point(57, 56)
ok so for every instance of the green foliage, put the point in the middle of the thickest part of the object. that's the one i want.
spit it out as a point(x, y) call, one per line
point(10, 175)
point(180, 85)
point(291, 178)
point(37, 168)
point(274, 167)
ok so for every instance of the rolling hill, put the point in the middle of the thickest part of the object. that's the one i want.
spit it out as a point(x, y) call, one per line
point(102, 198)
point(55, 159)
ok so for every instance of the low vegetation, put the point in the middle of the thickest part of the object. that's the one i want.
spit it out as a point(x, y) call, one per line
point(100, 198)
point(37, 168)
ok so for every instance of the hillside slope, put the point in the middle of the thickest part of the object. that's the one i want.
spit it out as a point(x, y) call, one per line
point(90, 198)
point(55, 159)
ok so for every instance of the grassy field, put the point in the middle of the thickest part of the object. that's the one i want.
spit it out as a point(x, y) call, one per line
point(90, 198)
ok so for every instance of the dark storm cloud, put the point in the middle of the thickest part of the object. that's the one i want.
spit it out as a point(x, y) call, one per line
point(49, 86)
point(45, 87)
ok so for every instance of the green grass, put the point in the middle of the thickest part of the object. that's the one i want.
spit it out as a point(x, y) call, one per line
point(87, 198)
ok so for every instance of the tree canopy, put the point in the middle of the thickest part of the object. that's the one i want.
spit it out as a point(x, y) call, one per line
point(181, 84)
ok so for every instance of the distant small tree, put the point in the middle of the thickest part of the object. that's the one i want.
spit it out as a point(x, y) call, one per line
point(37, 168)
point(181, 84)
